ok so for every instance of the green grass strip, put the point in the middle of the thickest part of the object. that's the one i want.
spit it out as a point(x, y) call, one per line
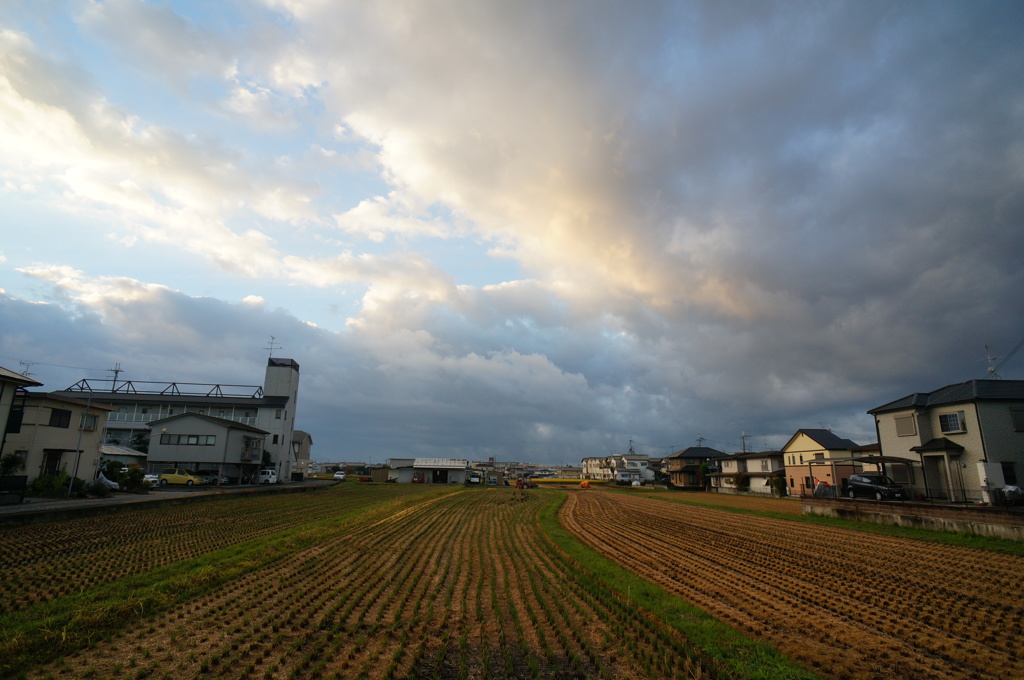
point(1001, 545)
point(741, 656)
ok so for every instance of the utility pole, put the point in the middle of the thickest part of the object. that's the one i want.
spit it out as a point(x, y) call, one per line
point(78, 447)
point(116, 370)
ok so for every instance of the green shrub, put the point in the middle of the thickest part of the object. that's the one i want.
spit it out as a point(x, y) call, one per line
point(56, 486)
point(97, 488)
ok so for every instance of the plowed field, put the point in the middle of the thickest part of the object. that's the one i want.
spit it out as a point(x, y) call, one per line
point(358, 582)
point(846, 603)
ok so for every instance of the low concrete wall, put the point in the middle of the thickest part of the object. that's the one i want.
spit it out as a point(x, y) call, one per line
point(992, 522)
point(73, 509)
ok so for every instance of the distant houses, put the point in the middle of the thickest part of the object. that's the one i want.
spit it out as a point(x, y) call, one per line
point(961, 443)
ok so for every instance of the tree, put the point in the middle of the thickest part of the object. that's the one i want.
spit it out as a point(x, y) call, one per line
point(140, 442)
point(10, 464)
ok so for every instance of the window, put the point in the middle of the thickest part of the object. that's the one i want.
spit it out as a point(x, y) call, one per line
point(275, 439)
point(791, 484)
point(1017, 417)
point(951, 423)
point(1009, 474)
point(60, 417)
point(188, 439)
point(88, 422)
point(905, 426)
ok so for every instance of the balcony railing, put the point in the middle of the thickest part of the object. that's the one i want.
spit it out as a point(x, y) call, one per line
point(150, 417)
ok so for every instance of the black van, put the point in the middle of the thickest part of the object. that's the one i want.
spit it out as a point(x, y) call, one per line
point(875, 485)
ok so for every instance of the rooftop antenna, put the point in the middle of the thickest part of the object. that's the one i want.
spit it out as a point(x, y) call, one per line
point(825, 426)
point(27, 365)
point(743, 441)
point(116, 370)
point(272, 346)
point(992, 371)
point(992, 361)
point(700, 441)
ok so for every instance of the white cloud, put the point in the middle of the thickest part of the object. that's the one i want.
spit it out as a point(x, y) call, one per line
point(729, 220)
point(381, 216)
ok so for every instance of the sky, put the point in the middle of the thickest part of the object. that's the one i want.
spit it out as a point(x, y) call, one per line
point(525, 230)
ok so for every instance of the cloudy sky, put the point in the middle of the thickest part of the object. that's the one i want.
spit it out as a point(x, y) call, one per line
point(527, 230)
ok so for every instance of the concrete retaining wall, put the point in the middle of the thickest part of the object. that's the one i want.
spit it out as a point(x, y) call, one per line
point(992, 522)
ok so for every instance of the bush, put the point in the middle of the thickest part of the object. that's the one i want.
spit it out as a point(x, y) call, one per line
point(10, 464)
point(132, 481)
point(56, 486)
point(97, 488)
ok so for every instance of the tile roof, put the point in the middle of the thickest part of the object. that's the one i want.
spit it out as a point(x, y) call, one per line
point(10, 376)
point(828, 440)
point(697, 452)
point(972, 390)
point(230, 424)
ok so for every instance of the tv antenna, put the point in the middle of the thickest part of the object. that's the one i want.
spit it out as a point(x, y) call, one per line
point(700, 440)
point(27, 365)
point(995, 363)
point(272, 345)
point(992, 361)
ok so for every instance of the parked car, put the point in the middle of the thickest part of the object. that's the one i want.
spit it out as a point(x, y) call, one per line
point(179, 476)
point(268, 477)
point(875, 485)
point(151, 477)
point(340, 476)
point(474, 479)
point(211, 477)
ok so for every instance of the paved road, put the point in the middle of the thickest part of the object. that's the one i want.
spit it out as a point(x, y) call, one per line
point(42, 509)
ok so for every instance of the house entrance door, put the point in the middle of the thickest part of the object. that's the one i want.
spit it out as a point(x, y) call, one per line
point(935, 477)
point(439, 477)
point(51, 461)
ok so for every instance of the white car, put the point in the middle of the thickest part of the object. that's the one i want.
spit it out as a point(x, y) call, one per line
point(268, 477)
point(153, 478)
point(340, 476)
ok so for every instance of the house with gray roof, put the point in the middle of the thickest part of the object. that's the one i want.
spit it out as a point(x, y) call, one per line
point(817, 458)
point(689, 468)
point(967, 438)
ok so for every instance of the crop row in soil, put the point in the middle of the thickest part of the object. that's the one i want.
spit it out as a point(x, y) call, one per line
point(848, 604)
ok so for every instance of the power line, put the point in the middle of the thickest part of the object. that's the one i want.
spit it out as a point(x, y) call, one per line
point(44, 363)
point(1007, 357)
